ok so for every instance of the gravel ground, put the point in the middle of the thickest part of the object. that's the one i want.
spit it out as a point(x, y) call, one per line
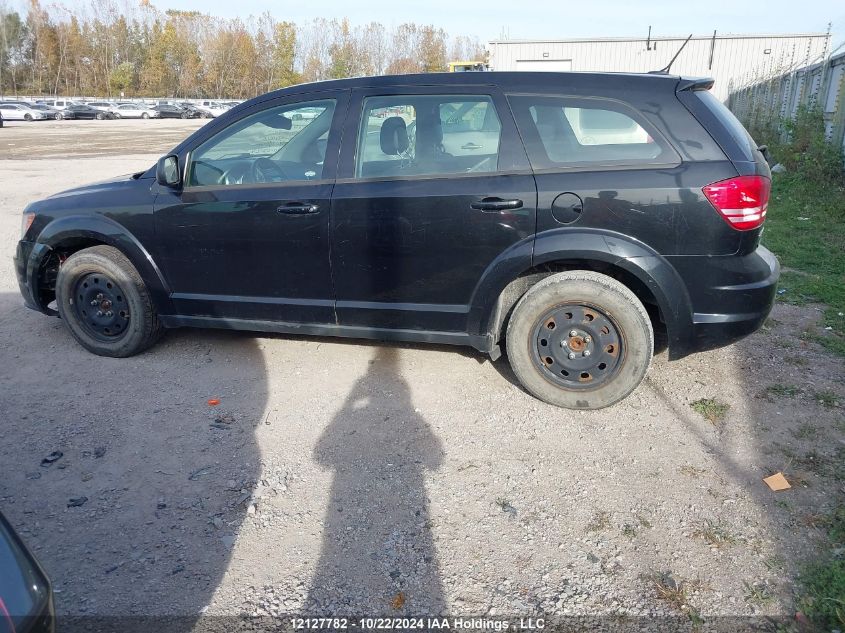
point(348, 477)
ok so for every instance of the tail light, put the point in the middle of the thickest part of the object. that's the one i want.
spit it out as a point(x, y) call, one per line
point(741, 201)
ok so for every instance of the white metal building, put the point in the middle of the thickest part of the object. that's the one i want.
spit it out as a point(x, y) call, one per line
point(733, 60)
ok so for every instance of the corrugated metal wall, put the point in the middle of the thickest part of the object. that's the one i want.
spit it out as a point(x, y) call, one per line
point(731, 59)
point(781, 95)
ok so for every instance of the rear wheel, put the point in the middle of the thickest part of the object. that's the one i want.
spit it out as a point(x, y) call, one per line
point(144, 115)
point(100, 116)
point(184, 115)
point(580, 340)
point(105, 304)
point(27, 117)
point(59, 116)
point(116, 115)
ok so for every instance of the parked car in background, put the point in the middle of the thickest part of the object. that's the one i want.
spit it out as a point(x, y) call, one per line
point(84, 111)
point(135, 111)
point(169, 111)
point(51, 112)
point(194, 110)
point(59, 104)
point(305, 114)
point(211, 109)
point(21, 112)
point(105, 106)
point(1, 119)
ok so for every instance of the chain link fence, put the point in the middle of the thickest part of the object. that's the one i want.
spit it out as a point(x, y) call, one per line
point(766, 102)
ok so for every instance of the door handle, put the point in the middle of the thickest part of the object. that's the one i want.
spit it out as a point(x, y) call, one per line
point(495, 204)
point(298, 208)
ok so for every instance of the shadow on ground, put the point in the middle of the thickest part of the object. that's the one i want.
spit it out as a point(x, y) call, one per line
point(149, 471)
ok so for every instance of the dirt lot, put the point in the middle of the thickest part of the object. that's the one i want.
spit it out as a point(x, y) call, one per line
point(352, 477)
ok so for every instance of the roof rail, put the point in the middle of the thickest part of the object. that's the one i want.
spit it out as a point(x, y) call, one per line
point(695, 83)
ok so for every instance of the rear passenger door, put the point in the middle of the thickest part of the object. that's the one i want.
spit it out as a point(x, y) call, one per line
point(434, 185)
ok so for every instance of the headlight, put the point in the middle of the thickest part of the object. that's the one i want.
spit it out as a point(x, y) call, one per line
point(26, 222)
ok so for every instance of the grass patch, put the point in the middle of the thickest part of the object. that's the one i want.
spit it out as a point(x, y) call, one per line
point(782, 391)
point(675, 593)
point(712, 410)
point(691, 471)
point(805, 228)
point(805, 431)
point(599, 522)
point(827, 398)
point(823, 582)
point(716, 534)
point(629, 530)
point(757, 594)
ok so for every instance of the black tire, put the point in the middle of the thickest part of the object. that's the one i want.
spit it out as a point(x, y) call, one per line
point(602, 299)
point(116, 115)
point(100, 116)
point(185, 115)
point(137, 330)
point(59, 116)
point(27, 117)
point(144, 115)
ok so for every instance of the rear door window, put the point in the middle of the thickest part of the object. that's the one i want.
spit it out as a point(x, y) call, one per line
point(577, 132)
point(417, 135)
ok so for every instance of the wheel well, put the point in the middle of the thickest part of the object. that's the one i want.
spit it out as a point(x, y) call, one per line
point(519, 286)
point(49, 269)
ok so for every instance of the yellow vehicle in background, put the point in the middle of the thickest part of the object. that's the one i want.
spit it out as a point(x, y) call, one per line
point(464, 67)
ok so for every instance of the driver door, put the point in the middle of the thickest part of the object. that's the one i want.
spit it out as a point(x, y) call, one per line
point(247, 236)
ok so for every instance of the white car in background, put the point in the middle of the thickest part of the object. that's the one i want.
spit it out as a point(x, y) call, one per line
point(211, 108)
point(58, 104)
point(135, 111)
point(105, 106)
point(21, 112)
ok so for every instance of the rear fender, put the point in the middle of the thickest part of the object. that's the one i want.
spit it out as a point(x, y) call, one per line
point(511, 275)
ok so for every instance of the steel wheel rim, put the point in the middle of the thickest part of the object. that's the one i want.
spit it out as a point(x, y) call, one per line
point(577, 346)
point(101, 308)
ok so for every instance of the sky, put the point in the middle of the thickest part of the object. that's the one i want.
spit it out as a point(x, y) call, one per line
point(492, 19)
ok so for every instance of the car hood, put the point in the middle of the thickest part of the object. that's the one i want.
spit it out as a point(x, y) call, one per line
point(111, 184)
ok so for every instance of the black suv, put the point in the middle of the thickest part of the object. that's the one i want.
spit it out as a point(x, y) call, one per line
point(582, 219)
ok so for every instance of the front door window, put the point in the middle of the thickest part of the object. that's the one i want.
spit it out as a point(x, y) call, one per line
point(276, 145)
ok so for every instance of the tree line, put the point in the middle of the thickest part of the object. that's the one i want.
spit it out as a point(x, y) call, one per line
point(124, 48)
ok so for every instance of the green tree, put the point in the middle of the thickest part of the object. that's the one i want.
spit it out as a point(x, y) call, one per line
point(122, 78)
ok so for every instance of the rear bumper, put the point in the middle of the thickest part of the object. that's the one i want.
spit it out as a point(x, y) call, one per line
point(731, 297)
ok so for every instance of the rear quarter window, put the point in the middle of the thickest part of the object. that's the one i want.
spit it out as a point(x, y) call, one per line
point(564, 132)
point(729, 123)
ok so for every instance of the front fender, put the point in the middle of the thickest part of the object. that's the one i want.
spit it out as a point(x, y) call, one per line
point(570, 244)
point(100, 228)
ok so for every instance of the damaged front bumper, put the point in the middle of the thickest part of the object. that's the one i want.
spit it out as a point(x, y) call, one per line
point(28, 259)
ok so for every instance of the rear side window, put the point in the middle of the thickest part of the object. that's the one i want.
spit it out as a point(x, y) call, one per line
point(729, 122)
point(577, 132)
point(418, 135)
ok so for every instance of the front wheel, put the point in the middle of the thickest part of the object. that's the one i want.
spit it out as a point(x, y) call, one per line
point(580, 340)
point(105, 303)
point(100, 116)
point(115, 115)
point(144, 115)
point(59, 116)
point(27, 117)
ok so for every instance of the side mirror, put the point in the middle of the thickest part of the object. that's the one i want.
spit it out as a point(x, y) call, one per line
point(167, 171)
point(26, 598)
